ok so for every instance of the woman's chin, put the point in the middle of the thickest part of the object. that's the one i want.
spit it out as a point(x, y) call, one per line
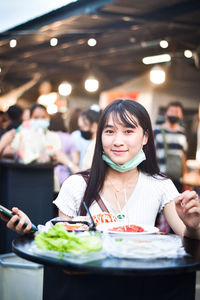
point(119, 161)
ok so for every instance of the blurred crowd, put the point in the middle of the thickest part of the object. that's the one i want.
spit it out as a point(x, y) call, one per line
point(34, 136)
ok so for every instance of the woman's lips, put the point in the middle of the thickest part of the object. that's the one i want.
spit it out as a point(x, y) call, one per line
point(119, 152)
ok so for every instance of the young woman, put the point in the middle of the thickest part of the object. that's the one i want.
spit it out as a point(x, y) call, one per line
point(125, 174)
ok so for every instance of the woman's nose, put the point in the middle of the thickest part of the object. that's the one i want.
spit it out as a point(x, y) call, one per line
point(118, 140)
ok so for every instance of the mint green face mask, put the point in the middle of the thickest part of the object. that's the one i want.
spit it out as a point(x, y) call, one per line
point(129, 165)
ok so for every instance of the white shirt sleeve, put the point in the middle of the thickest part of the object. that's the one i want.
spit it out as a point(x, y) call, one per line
point(70, 195)
point(168, 193)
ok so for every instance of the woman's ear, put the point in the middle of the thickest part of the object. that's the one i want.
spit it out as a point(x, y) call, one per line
point(145, 139)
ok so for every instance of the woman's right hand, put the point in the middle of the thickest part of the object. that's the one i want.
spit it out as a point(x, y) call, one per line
point(19, 227)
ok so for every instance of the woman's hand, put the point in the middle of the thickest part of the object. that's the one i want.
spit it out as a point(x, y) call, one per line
point(188, 208)
point(61, 157)
point(19, 226)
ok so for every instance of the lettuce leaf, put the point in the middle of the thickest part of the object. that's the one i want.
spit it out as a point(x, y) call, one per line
point(58, 239)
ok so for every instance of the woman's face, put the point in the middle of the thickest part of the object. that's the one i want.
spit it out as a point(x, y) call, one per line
point(39, 113)
point(121, 143)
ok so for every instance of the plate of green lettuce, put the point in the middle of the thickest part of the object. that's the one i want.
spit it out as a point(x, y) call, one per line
point(61, 244)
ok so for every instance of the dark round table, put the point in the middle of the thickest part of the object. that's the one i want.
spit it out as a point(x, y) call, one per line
point(114, 278)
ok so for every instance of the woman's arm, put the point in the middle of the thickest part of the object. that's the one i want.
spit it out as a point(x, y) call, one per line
point(173, 219)
point(6, 140)
point(63, 158)
point(62, 215)
point(183, 214)
point(75, 157)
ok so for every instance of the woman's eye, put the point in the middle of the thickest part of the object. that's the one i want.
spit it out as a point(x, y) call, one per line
point(129, 131)
point(108, 131)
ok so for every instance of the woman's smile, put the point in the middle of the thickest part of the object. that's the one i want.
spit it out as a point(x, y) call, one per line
point(119, 152)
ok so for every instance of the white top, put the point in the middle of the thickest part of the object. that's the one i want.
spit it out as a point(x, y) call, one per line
point(88, 157)
point(148, 198)
point(30, 143)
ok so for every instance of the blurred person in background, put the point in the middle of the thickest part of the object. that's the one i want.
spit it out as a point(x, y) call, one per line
point(171, 146)
point(33, 141)
point(68, 150)
point(83, 135)
point(14, 117)
point(174, 134)
point(88, 124)
point(73, 119)
point(26, 115)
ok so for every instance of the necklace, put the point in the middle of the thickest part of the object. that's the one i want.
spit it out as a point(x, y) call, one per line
point(114, 188)
point(116, 191)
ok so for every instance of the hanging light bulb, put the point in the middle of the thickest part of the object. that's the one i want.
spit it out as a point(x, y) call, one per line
point(91, 84)
point(13, 43)
point(188, 53)
point(164, 44)
point(53, 42)
point(65, 88)
point(157, 75)
point(92, 42)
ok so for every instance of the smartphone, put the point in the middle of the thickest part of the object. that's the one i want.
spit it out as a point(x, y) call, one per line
point(8, 213)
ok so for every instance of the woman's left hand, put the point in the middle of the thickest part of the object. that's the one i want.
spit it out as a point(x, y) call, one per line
point(188, 209)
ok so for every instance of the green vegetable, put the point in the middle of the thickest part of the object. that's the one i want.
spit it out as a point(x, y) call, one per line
point(58, 239)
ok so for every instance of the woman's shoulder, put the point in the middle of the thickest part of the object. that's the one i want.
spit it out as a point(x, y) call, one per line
point(159, 185)
point(64, 135)
point(156, 178)
point(74, 179)
point(74, 184)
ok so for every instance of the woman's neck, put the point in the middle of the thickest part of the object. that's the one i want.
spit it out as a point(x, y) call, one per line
point(118, 187)
point(123, 177)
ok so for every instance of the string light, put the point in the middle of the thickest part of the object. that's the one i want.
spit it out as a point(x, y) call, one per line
point(164, 44)
point(188, 53)
point(92, 42)
point(53, 42)
point(13, 43)
point(157, 75)
point(65, 88)
point(156, 59)
point(91, 84)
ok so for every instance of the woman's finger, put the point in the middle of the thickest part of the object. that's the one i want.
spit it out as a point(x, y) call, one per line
point(186, 197)
point(12, 222)
point(190, 204)
point(194, 210)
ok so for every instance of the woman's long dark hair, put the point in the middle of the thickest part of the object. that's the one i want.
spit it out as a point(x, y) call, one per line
point(122, 110)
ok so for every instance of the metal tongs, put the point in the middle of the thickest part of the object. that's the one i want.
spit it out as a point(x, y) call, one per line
point(92, 224)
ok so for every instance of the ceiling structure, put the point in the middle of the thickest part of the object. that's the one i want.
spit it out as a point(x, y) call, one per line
point(125, 30)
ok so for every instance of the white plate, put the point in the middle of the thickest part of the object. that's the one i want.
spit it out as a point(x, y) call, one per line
point(106, 228)
point(143, 246)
